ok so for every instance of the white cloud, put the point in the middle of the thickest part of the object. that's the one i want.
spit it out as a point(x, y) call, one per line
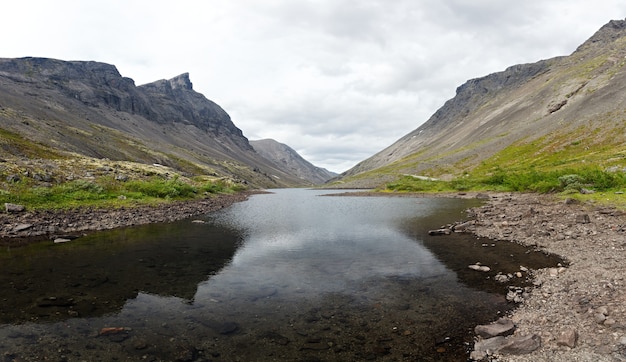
point(336, 80)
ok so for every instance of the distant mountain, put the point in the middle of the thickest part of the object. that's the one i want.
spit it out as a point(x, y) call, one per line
point(87, 108)
point(558, 112)
point(288, 159)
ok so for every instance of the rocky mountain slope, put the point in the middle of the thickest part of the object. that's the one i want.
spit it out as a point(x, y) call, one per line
point(288, 159)
point(558, 112)
point(58, 109)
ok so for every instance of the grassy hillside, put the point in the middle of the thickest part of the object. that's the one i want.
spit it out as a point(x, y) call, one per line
point(531, 127)
point(70, 181)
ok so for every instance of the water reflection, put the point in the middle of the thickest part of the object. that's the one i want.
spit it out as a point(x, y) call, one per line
point(97, 274)
point(351, 240)
point(288, 276)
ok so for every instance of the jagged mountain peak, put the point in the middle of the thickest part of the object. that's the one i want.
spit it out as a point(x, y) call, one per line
point(607, 34)
point(181, 82)
point(167, 86)
point(88, 108)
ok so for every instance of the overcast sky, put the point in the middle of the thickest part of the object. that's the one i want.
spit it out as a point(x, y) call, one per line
point(336, 80)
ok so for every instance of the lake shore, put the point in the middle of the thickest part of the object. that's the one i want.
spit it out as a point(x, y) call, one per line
point(25, 227)
point(587, 299)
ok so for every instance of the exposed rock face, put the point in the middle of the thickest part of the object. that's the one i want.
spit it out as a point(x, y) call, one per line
point(88, 108)
point(287, 158)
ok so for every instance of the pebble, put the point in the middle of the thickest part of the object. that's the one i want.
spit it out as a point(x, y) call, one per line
point(568, 338)
point(478, 267)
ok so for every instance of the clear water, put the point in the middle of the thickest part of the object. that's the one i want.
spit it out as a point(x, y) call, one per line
point(291, 275)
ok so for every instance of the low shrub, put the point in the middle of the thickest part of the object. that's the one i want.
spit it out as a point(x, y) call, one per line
point(159, 188)
point(523, 181)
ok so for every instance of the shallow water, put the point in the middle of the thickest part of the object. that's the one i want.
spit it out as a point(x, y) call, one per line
point(284, 276)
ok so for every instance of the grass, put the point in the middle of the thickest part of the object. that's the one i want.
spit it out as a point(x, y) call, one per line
point(105, 190)
point(568, 181)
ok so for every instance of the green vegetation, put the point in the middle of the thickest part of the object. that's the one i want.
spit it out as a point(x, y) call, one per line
point(107, 191)
point(13, 144)
point(564, 180)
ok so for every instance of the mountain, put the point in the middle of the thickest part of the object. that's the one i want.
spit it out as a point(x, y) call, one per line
point(288, 159)
point(558, 112)
point(50, 107)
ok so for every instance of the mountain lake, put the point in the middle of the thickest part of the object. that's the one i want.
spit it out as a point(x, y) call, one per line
point(293, 275)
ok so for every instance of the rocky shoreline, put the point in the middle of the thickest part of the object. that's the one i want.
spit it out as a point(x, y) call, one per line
point(19, 227)
point(577, 313)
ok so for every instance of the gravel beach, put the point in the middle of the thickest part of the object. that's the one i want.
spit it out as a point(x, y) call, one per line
point(579, 311)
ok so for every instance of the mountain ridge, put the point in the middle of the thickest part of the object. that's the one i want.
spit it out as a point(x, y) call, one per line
point(287, 158)
point(549, 100)
point(88, 108)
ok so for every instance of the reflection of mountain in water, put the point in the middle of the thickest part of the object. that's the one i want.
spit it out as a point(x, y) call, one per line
point(97, 274)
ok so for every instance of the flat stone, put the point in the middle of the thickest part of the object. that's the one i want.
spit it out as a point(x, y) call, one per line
point(583, 219)
point(501, 327)
point(22, 227)
point(521, 344)
point(9, 207)
point(485, 347)
point(568, 338)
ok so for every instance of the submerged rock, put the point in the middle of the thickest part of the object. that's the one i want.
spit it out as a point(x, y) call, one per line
point(440, 232)
point(478, 267)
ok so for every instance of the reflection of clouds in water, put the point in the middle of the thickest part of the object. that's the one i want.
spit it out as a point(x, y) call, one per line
point(323, 244)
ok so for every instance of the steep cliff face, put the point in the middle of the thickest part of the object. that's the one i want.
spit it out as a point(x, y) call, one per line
point(552, 98)
point(287, 158)
point(90, 109)
point(176, 101)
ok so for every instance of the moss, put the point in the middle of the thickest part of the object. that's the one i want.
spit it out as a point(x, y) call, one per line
point(12, 144)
